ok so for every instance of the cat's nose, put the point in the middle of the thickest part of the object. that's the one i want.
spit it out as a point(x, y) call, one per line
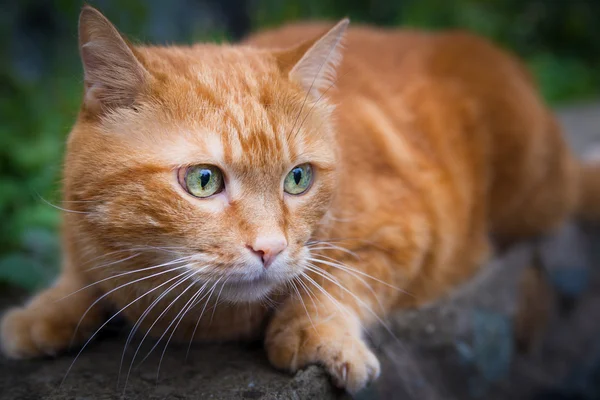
point(268, 247)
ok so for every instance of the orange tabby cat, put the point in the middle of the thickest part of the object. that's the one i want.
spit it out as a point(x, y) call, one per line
point(214, 192)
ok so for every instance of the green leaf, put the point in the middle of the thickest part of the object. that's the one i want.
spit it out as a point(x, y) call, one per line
point(22, 271)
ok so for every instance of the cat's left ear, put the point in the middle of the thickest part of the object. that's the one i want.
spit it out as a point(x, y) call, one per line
point(114, 76)
point(313, 64)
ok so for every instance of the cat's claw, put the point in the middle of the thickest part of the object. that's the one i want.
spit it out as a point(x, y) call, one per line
point(356, 375)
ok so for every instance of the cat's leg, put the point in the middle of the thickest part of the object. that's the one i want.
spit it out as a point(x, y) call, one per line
point(325, 323)
point(47, 324)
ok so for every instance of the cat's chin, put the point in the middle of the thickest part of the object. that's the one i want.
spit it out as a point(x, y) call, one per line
point(251, 291)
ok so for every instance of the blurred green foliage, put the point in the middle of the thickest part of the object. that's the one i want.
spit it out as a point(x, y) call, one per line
point(41, 85)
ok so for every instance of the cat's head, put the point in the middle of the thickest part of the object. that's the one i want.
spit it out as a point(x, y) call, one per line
point(220, 156)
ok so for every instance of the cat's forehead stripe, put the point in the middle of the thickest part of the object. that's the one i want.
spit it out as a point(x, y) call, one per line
point(214, 147)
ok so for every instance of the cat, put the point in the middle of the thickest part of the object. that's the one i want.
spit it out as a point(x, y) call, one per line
point(297, 187)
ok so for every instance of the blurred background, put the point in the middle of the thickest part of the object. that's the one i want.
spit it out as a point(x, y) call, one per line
point(41, 78)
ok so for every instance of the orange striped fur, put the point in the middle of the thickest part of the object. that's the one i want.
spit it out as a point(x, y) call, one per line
point(422, 146)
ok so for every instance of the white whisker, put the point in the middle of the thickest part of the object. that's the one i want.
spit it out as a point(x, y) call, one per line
point(303, 305)
point(111, 318)
point(191, 274)
point(338, 265)
point(365, 283)
point(143, 316)
point(331, 246)
point(184, 310)
point(217, 302)
point(114, 262)
point(140, 249)
point(61, 208)
point(209, 294)
point(326, 294)
point(310, 294)
point(182, 259)
point(356, 298)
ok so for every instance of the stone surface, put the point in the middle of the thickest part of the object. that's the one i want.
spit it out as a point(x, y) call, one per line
point(460, 348)
point(218, 371)
point(464, 347)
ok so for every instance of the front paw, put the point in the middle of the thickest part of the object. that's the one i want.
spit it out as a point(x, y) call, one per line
point(337, 347)
point(29, 333)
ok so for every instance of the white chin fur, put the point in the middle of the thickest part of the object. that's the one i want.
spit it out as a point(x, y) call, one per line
point(247, 292)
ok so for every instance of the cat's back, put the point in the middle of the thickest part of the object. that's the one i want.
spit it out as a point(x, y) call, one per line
point(377, 46)
point(386, 60)
point(369, 53)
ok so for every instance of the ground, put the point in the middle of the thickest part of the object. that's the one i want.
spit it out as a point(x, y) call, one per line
point(459, 349)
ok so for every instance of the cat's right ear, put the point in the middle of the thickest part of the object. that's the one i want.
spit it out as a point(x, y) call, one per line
point(313, 64)
point(113, 75)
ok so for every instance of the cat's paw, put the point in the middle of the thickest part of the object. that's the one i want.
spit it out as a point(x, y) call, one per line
point(343, 353)
point(29, 333)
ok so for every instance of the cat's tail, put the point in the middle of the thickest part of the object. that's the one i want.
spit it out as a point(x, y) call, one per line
point(588, 206)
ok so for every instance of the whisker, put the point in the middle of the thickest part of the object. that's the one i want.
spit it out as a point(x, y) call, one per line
point(139, 248)
point(310, 294)
point(355, 275)
point(182, 259)
point(322, 245)
point(331, 278)
point(200, 317)
point(104, 255)
point(61, 208)
point(185, 309)
point(326, 294)
point(142, 317)
point(267, 302)
point(192, 273)
point(110, 319)
point(342, 240)
point(356, 298)
point(217, 302)
point(303, 305)
point(338, 305)
point(115, 262)
point(80, 201)
point(365, 283)
point(336, 264)
point(120, 287)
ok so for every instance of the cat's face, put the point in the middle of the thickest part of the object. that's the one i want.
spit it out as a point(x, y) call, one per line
point(219, 156)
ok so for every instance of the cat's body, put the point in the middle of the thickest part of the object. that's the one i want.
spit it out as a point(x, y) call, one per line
point(449, 140)
point(437, 142)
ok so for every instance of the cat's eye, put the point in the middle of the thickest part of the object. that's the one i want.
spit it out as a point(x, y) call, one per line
point(203, 180)
point(298, 180)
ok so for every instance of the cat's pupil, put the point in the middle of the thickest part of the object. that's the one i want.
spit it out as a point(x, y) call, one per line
point(297, 175)
point(204, 177)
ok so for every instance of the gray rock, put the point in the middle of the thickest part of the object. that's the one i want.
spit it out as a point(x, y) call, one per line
point(210, 372)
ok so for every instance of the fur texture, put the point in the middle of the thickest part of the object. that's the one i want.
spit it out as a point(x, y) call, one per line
point(437, 143)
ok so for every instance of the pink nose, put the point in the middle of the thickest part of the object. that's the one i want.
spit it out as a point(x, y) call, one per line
point(268, 247)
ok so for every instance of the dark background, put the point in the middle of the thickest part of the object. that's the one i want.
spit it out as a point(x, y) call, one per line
point(41, 78)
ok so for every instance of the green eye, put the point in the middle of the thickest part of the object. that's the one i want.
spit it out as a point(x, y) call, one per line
point(203, 180)
point(298, 180)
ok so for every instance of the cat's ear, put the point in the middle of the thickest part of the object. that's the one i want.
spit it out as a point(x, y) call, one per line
point(113, 74)
point(313, 64)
